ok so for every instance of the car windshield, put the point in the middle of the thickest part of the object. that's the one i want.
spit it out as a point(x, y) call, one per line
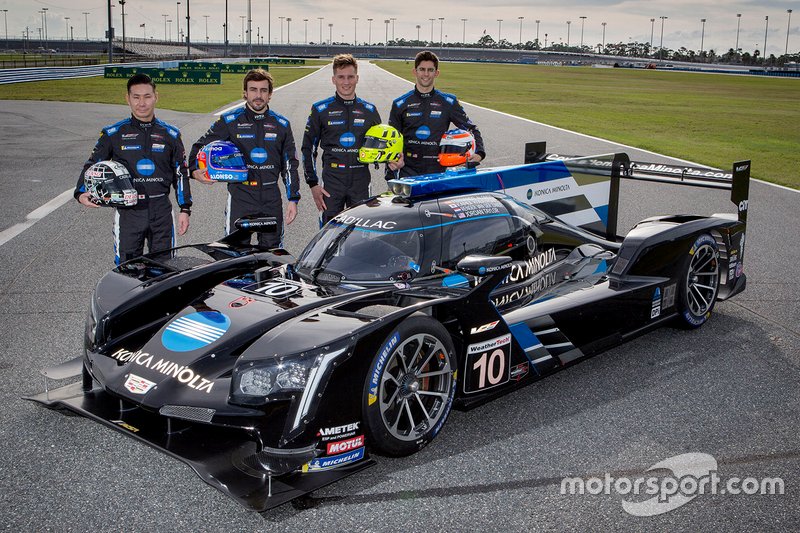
point(345, 252)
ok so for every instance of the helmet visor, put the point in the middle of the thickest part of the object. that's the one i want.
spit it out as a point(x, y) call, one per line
point(454, 149)
point(375, 142)
point(228, 161)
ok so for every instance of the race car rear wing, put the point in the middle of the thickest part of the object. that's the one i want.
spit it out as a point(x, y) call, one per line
point(581, 191)
point(619, 166)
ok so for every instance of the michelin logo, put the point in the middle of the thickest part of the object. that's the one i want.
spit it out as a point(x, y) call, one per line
point(326, 463)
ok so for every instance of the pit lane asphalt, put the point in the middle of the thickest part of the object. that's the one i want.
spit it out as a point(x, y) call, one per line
point(728, 389)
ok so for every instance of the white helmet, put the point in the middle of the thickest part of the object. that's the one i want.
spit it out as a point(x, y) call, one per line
point(109, 183)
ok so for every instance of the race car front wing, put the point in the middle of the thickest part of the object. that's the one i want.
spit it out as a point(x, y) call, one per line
point(228, 459)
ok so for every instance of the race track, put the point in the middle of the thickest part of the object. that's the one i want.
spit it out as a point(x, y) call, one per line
point(729, 390)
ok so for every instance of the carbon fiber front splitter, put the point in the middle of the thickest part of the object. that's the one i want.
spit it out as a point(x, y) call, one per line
point(223, 458)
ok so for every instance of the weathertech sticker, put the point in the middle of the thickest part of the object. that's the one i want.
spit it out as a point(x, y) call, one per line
point(488, 364)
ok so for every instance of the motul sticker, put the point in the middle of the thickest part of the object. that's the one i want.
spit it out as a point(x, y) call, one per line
point(342, 446)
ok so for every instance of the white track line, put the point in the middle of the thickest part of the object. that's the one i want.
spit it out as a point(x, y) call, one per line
point(39, 213)
point(35, 216)
point(692, 163)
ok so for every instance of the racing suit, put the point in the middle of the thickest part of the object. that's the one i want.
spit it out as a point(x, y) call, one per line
point(422, 118)
point(267, 144)
point(154, 155)
point(338, 127)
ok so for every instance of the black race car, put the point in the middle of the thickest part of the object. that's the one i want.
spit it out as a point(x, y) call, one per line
point(273, 376)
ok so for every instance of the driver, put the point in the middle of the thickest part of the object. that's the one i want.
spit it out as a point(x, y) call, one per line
point(338, 125)
point(422, 116)
point(153, 153)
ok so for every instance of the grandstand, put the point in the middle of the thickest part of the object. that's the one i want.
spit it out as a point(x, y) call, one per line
point(156, 50)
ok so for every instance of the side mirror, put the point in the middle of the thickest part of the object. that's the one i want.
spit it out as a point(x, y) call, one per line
point(257, 224)
point(482, 265)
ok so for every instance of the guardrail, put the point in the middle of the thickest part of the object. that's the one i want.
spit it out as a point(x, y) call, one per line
point(19, 75)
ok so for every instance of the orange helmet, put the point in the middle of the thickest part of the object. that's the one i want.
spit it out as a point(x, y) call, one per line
point(456, 148)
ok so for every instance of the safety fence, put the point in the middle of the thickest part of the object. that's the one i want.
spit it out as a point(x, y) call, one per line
point(19, 75)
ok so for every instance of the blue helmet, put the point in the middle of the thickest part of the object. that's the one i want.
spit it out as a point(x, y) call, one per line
point(222, 161)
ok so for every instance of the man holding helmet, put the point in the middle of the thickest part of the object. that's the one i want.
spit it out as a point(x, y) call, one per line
point(337, 125)
point(422, 115)
point(149, 153)
point(262, 142)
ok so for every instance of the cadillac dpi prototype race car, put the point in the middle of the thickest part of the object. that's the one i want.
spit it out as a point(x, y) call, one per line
point(273, 376)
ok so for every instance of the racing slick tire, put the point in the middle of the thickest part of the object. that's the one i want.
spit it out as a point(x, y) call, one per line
point(699, 283)
point(409, 388)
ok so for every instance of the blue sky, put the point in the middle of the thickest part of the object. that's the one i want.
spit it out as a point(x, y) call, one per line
point(625, 20)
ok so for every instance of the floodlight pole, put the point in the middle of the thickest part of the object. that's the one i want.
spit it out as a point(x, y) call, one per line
point(122, 3)
point(738, 23)
point(188, 31)
point(702, 35)
point(225, 29)
point(249, 29)
point(110, 33)
point(604, 35)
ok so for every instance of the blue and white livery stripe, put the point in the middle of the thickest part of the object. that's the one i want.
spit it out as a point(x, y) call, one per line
point(196, 330)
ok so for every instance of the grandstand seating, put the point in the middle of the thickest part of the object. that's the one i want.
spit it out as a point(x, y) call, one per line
point(153, 50)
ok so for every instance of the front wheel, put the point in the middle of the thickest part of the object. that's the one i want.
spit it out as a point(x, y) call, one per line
point(699, 282)
point(410, 386)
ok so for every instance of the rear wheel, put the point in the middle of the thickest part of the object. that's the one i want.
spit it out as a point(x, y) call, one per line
point(409, 389)
point(699, 284)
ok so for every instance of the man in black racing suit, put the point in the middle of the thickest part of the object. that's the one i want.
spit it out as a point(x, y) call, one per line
point(337, 125)
point(153, 153)
point(266, 141)
point(422, 115)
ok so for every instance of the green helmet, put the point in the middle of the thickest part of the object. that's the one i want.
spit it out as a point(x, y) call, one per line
point(382, 144)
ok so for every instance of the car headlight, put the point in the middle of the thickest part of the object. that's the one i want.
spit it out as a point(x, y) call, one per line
point(280, 378)
point(260, 381)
